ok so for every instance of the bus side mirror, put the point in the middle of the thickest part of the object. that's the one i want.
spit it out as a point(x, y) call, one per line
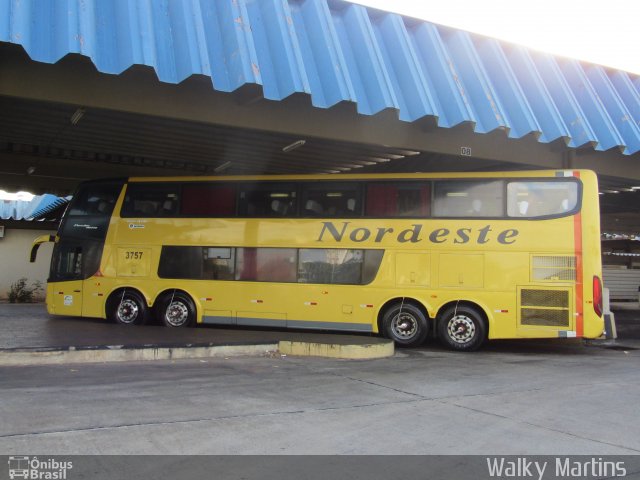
point(36, 244)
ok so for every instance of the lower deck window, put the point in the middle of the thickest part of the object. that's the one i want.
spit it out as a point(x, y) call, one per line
point(266, 264)
point(285, 265)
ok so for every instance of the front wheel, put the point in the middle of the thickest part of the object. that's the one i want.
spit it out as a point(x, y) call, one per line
point(462, 328)
point(127, 308)
point(405, 324)
point(177, 310)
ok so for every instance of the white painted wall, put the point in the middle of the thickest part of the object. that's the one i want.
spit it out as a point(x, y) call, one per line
point(15, 248)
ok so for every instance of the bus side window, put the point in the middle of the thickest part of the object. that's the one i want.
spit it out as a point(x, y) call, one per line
point(338, 266)
point(97, 201)
point(181, 262)
point(267, 200)
point(150, 200)
point(335, 199)
point(402, 199)
point(208, 200)
point(266, 264)
point(463, 198)
point(541, 198)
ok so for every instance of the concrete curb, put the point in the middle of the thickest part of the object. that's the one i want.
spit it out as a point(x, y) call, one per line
point(119, 353)
point(331, 350)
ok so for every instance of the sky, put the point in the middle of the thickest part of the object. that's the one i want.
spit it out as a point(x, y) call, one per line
point(606, 32)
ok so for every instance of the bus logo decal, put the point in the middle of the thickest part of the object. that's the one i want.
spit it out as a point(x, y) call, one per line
point(414, 234)
point(135, 225)
point(85, 226)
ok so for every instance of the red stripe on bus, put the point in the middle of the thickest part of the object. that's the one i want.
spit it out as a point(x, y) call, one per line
point(577, 245)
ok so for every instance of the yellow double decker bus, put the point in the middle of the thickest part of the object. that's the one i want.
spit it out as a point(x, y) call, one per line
point(465, 257)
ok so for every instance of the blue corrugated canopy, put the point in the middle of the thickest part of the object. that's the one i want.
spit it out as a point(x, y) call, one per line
point(336, 51)
point(37, 208)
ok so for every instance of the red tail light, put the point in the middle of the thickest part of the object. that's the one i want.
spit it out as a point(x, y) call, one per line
point(597, 295)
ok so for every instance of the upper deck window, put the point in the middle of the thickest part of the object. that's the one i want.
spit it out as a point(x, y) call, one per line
point(95, 200)
point(462, 198)
point(329, 199)
point(151, 200)
point(267, 200)
point(540, 198)
point(208, 200)
point(401, 199)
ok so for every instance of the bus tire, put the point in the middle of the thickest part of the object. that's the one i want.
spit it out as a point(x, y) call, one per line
point(462, 328)
point(127, 307)
point(176, 310)
point(405, 324)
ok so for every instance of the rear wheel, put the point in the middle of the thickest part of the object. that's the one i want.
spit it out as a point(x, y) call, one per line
point(177, 310)
point(405, 324)
point(127, 307)
point(462, 328)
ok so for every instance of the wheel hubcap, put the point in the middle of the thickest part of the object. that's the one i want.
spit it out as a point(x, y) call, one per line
point(177, 314)
point(404, 326)
point(461, 329)
point(128, 311)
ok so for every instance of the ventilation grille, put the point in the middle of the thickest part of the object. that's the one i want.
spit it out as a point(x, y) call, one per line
point(545, 298)
point(553, 268)
point(548, 308)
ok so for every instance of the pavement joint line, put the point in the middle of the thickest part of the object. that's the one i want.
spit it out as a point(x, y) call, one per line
point(535, 425)
point(58, 355)
point(397, 390)
point(314, 410)
point(210, 419)
point(444, 401)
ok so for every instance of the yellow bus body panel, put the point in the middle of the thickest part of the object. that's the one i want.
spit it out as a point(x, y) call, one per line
point(497, 264)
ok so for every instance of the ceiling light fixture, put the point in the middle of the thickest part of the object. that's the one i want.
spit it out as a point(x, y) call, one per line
point(222, 167)
point(293, 146)
point(77, 116)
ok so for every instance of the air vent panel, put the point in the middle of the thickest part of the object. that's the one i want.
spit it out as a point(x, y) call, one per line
point(546, 308)
point(553, 268)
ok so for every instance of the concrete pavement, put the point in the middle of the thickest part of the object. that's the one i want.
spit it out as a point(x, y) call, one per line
point(540, 399)
point(513, 397)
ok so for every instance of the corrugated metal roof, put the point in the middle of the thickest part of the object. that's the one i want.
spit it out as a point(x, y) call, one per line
point(31, 210)
point(337, 51)
point(52, 210)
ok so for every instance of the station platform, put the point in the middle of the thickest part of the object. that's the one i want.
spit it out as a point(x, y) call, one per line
point(29, 336)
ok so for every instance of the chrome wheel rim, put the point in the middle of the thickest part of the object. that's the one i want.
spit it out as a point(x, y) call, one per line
point(404, 326)
point(128, 311)
point(177, 314)
point(461, 329)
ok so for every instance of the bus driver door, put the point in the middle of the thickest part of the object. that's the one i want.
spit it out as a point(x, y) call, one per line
point(64, 295)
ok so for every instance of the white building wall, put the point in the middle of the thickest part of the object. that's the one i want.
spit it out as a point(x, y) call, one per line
point(15, 248)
